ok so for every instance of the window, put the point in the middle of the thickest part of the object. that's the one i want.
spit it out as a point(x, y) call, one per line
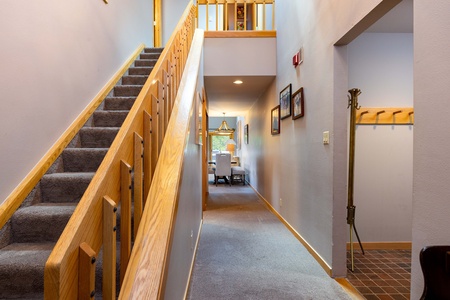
point(217, 143)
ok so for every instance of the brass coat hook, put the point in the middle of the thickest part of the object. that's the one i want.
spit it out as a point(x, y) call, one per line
point(364, 112)
point(380, 112)
point(396, 112)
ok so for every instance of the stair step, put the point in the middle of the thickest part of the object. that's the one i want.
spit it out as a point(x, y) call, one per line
point(127, 90)
point(149, 55)
point(104, 118)
point(134, 80)
point(145, 63)
point(22, 269)
point(97, 137)
point(41, 222)
point(119, 103)
point(83, 159)
point(153, 50)
point(64, 187)
point(140, 70)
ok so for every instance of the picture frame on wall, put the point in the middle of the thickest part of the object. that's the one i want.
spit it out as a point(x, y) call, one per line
point(285, 102)
point(275, 120)
point(298, 108)
point(246, 133)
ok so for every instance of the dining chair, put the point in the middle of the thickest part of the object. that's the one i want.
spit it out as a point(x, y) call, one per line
point(223, 166)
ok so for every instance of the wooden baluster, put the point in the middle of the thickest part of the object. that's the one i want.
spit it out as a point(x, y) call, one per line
point(125, 217)
point(264, 15)
point(86, 272)
point(245, 15)
point(147, 154)
point(273, 15)
point(138, 172)
point(226, 16)
point(207, 15)
point(109, 249)
point(155, 133)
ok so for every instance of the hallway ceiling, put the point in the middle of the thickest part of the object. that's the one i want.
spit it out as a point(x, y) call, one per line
point(236, 100)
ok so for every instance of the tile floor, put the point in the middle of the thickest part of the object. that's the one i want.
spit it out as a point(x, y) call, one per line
point(381, 274)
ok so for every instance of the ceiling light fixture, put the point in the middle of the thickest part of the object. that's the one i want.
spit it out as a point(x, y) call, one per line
point(224, 128)
point(238, 81)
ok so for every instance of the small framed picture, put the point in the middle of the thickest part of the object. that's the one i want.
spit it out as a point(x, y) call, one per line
point(298, 109)
point(246, 134)
point(285, 102)
point(275, 120)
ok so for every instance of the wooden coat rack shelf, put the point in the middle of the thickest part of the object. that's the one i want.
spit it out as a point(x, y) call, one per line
point(385, 116)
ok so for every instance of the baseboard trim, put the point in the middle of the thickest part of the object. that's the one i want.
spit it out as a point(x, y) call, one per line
point(382, 246)
point(308, 247)
point(193, 260)
point(18, 195)
point(349, 289)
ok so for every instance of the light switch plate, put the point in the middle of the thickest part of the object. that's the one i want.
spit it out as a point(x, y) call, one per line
point(326, 137)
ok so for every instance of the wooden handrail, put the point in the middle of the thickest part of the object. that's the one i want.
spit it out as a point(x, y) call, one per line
point(232, 21)
point(149, 256)
point(85, 225)
point(15, 199)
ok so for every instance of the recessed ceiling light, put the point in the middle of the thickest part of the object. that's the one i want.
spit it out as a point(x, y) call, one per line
point(238, 82)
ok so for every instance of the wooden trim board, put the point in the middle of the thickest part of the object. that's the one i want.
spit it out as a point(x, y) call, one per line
point(382, 246)
point(241, 34)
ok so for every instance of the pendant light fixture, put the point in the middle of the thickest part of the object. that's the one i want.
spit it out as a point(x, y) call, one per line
point(224, 128)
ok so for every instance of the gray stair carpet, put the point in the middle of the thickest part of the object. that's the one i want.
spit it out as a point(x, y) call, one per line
point(27, 239)
point(245, 252)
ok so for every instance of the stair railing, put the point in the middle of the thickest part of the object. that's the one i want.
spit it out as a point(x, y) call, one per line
point(131, 163)
point(148, 261)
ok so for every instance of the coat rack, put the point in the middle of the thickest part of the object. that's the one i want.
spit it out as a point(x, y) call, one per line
point(385, 116)
point(351, 208)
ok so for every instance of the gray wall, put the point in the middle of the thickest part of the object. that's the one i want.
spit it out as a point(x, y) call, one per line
point(431, 188)
point(189, 217)
point(295, 166)
point(55, 57)
point(381, 65)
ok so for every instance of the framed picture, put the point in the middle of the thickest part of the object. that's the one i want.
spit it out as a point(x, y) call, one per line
point(246, 134)
point(240, 12)
point(298, 109)
point(275, 120)
point(285, 102)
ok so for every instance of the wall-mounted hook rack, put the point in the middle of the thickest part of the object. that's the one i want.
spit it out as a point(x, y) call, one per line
point(385, 116)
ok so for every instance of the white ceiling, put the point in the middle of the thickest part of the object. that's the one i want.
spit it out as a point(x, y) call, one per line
point(236, 100)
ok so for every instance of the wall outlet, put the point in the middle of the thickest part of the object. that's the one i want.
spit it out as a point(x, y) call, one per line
point(192, 239)
point(281, 202)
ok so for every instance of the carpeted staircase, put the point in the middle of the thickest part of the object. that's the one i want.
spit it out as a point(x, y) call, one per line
point(28, 238)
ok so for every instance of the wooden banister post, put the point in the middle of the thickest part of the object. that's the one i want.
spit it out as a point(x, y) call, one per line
point(138, 172)
point(125, 217)
point(109, 249)
point(86, 272)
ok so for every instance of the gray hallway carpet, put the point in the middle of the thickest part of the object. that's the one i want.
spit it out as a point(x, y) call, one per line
point(245, 252)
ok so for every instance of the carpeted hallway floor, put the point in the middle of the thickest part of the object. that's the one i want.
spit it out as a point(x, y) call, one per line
point(245, 252)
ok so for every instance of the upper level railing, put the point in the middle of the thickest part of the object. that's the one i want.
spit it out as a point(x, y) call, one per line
point(236, 15)
point(132, 161)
